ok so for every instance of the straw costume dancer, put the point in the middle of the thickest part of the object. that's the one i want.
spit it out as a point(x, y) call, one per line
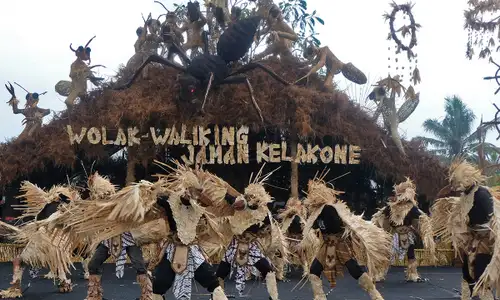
point(347, 240)
point(119, 246)
point(293, 219)
point(402, 218)
point(472, 223)
point(195, 198)
point(182, 201)
point(44, 246)
point(257, 240)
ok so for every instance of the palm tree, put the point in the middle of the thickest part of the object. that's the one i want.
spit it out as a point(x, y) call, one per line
point(453, 135)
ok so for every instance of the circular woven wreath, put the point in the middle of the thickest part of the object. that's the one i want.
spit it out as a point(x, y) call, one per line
point(406, 29)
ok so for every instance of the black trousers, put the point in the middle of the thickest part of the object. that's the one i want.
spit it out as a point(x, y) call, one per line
point(479, 265)
point(101, 254)
point(263, 266)
point(164, 276)
point(411, 252)
point(352, 266)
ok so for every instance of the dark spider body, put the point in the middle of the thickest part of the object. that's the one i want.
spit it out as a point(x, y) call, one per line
point(201, 66)
point(206, 71)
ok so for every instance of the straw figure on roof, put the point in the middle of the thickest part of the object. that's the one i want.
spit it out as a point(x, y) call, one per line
point(323, 56)
point(293, 219)
point(193, 27)
point(404, 220)
point(172, 37)
point(148, 42)
point(263, 7)
point(45, 246)
point(388, 90)
point(384, 95)
point(281, 35)
point(80, 72)
point(257, 240)
point(472, 222)
point(33, 115)
point(346, 240)
point(220, 11)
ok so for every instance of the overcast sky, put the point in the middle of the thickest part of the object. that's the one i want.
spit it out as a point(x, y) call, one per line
point(36, 34)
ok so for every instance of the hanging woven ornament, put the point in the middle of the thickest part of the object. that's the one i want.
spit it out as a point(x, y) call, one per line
point(481, 19)
point(407, 32)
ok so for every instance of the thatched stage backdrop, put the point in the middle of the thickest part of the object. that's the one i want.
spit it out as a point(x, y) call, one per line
point(297, 113)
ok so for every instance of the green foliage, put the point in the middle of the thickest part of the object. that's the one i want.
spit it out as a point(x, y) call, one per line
point(302, 22)
point(453, 135)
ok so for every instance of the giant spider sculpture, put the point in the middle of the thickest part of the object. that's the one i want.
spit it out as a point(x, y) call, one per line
point(206, 71)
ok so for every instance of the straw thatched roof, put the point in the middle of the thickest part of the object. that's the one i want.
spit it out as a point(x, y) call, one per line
point(153, 103)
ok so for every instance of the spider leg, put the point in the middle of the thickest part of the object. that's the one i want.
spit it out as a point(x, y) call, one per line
point(96, 66)
point(174, 48)
point(244, 79)
point(152, 58)
point(208, 90)
point(255, 65)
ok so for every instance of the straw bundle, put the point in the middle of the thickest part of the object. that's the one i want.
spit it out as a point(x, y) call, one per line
point(35, 199)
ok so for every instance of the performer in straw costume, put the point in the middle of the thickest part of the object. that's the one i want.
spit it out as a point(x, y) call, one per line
point(347, 239)
point(43, 244)
point(181, 200)
point(119, 246)
point(402, 218)
point(293, 219)
point(257, 239)
point(195, 198)
point(472, 223)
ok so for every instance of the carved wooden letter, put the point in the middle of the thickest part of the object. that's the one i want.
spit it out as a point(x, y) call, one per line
point(188, 161)
point(341, 154)
point(183, 139)
point(354, 154)
point(94, 136)
point(227, 136)
point(243, 156)
point(326, 155)
point(229, 156)
point(174, 138)
point(311, 153)
point(203, 140)
point(242, 135)
point(121, 138)
point(160, 139)
point(261, 148)
point(274, 153)
point(132, 139)
point(75, 137)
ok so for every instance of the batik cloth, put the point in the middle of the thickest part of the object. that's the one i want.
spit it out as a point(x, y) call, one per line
point(183, 282)
point(398, 251)
point(254, 255)
point(127, 240)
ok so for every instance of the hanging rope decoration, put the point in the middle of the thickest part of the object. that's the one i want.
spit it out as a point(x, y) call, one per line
point(411, 29)
point(481, 34)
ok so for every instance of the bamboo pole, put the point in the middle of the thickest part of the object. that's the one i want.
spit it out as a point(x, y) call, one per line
point(131, 161)
point(294, 176)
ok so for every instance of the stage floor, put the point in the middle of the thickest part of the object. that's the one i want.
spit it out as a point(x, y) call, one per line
point(444, 283)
